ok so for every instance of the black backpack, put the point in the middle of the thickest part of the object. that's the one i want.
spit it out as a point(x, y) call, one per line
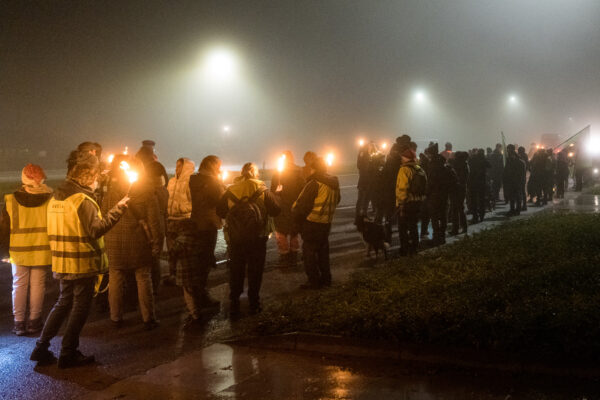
point(418, 183)
point(246, 219)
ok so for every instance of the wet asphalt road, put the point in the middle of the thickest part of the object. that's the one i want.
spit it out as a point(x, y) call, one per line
point(132, 350)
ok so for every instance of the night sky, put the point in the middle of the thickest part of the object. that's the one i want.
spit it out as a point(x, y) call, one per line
point(311, 74)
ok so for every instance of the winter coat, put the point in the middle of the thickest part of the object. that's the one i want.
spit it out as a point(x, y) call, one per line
point(292, 183)
point(180, 199)
point(206, 191)
point(389, 178)
point(497, 163)
point(403, 184)
point(514, 174)
point(137, 239)
point(478, 167)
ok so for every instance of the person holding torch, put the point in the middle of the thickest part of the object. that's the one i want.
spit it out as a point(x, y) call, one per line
point(136, 241)
point(76, 230)
point(288, 183)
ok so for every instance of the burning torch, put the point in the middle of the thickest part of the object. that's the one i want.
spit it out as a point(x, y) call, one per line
point(329, 159)
point(132, 175)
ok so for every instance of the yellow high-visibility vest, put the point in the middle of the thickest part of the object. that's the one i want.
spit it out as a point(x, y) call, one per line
point(73, 251)
point(29, 245)
point(324, 206)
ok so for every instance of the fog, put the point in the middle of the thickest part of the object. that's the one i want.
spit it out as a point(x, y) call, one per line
point(302, 75)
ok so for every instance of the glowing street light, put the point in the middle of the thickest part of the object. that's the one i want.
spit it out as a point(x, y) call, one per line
point(226, 128)
point(420, 96)
point(220, 64)
point(513, 99)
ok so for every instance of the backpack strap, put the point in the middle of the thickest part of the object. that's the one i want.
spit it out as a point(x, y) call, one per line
point(256, 195)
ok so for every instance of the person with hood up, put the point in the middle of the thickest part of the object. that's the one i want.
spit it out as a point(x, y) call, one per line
point(24, 237)
point(179, 209)
point(290, 182)
point(313, 212)
point(206, 189)
point(76, 230)
point(134, 243)
point(411, 187)
point(246, 206)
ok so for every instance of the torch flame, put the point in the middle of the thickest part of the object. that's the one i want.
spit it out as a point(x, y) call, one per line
point(132, 176)
point(571, 154)
point(383, 145)
point(126, 150)
point(111, 157)
point(224, 175)
point(329, 159)
point(124, 165)
point(361, 142)
point(281, 163)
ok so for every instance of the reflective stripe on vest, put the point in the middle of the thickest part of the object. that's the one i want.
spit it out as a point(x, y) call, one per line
point(73, 252)
point(324, 205)
point(29, 245)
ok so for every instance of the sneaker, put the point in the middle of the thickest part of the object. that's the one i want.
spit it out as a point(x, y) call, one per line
point(75, 360)
point(19, 329)
point(42, 355)
point(34, 326)
point(152, 324)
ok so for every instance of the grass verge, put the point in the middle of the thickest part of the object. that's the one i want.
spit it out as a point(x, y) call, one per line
point(530, 287)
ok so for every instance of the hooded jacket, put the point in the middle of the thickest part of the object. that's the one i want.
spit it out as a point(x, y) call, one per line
point(403, 182)
point(180, 200)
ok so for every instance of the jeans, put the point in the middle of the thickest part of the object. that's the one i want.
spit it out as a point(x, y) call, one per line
point(116, 283)
point(74, 302)
point(287, 243)
point(249, 255)
point(28, 283)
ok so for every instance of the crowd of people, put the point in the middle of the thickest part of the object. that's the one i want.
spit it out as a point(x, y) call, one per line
point(440, 188)
point(100, 222)
point(100, 229)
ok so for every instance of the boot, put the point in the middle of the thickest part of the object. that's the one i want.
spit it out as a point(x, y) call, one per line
point(19, 328)
point(75, 360)
point(42, 355)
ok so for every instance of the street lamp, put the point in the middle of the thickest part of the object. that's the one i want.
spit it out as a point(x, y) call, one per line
point(220, 64)
point(420, 96)
point(513, 99)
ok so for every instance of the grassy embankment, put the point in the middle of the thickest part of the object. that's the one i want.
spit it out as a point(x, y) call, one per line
point(530, 287)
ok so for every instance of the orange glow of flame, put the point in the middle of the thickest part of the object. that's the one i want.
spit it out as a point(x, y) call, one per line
point(281, 163)
point(224, 175)
point(111, 157)
point(126, 150)
point(361, 142)
point(329, 159)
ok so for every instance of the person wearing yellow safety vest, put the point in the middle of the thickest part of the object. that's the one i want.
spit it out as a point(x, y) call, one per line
point(24, 238)
point(75, 231)
point(246, 206)
point(313, 211)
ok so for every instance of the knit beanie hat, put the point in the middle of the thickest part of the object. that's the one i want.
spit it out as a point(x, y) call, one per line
point(32, 175)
